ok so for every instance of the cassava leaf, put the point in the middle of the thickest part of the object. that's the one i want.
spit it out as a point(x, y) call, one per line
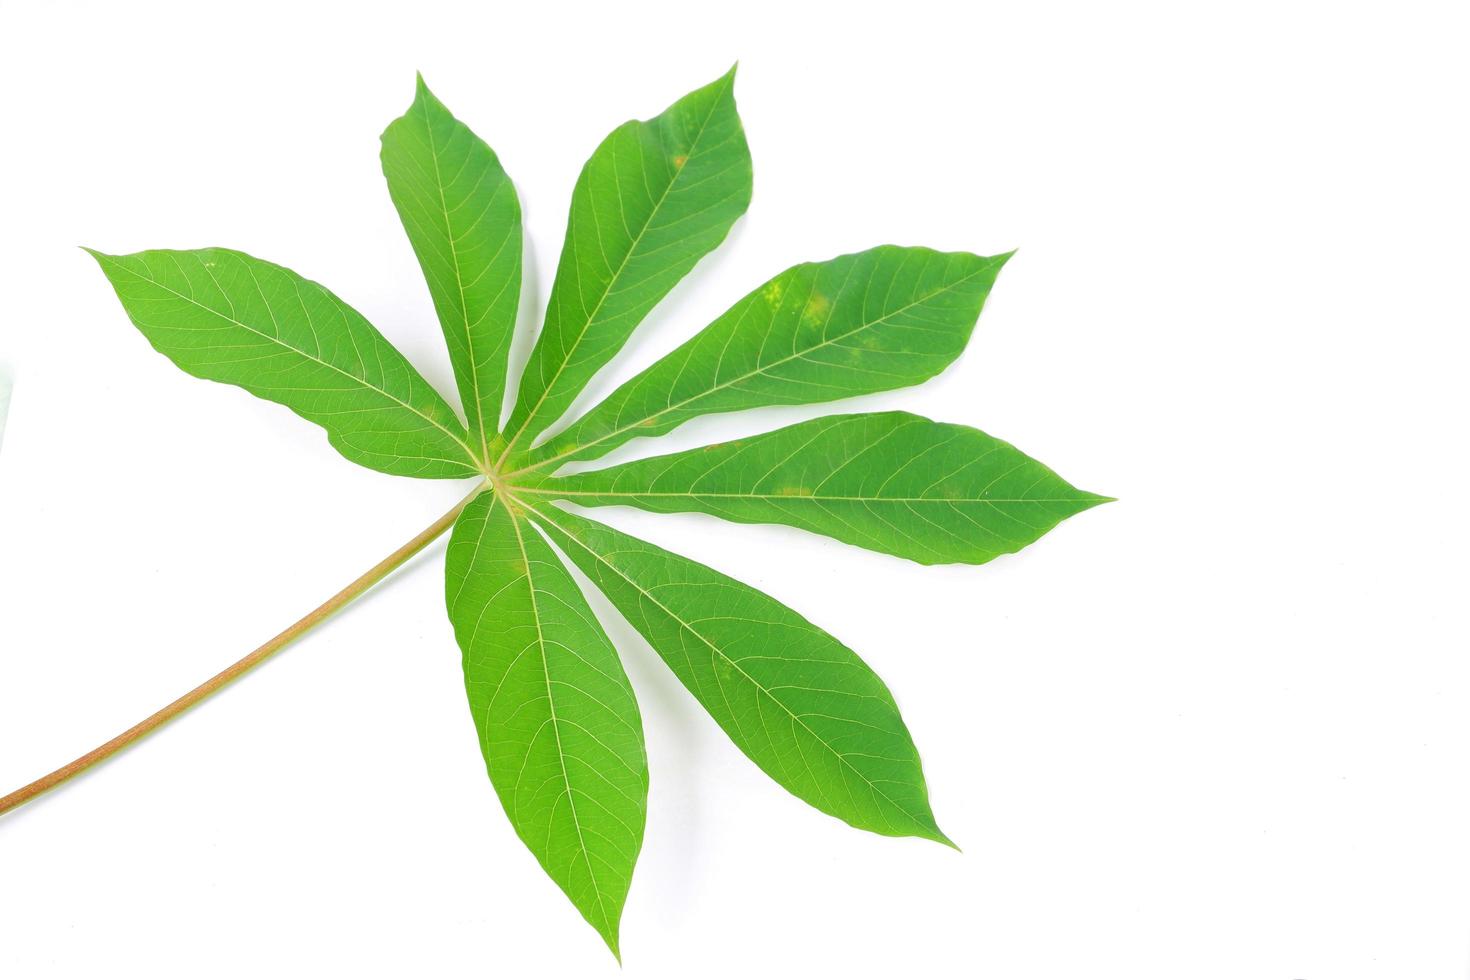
point(654, 198)
point(464, 221)
point(225, 316)
point(558, 724)
point(801, 705)
point(873, 321)
point(557, 721)
point(889, 481)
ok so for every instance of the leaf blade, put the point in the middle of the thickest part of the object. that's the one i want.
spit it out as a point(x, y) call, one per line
point(555, 713)
point(889, 482)
point(654, 199)
point(226, 316)
point(871, 321)
point(801, 705)
point(463, 219)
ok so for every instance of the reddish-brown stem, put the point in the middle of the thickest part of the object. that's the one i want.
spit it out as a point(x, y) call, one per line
point(166, 714)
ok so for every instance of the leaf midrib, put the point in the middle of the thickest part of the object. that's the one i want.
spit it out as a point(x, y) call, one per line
point(464, 312)
point(555, 723)
point(553, 492)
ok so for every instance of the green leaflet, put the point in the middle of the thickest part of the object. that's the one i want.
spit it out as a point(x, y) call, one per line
point(801, 705)
point(463, 218)
point(873, 321)
point(890, 482)
point(558, 723)
point(653, 200)
point(225, 316)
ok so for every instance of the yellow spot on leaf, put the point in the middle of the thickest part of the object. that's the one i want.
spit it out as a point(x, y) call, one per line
point(816, 309)
point(794, 492)
point(680, 160)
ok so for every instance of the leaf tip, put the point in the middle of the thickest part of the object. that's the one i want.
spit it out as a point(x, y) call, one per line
point(724, 86)
point(101, 257)
point(424, 98)
point(929, 830)
point(611, 938)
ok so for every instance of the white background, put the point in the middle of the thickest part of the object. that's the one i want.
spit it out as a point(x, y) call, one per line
point(1218, 729)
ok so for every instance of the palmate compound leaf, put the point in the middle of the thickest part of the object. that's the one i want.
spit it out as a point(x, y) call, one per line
point(888, 481)
point(799, 703)
point(464, 221)
point(872, 321)
point(225, 316)
point(654, 199)
point(557, 720)
point(558, 724)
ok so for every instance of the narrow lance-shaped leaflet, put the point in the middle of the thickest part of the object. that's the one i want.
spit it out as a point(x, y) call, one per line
point(225, 316)
point(558, 723)
point(857, 324)
point(799, 703)
point(463, 219)
point(654, 199)
point(889, 481)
